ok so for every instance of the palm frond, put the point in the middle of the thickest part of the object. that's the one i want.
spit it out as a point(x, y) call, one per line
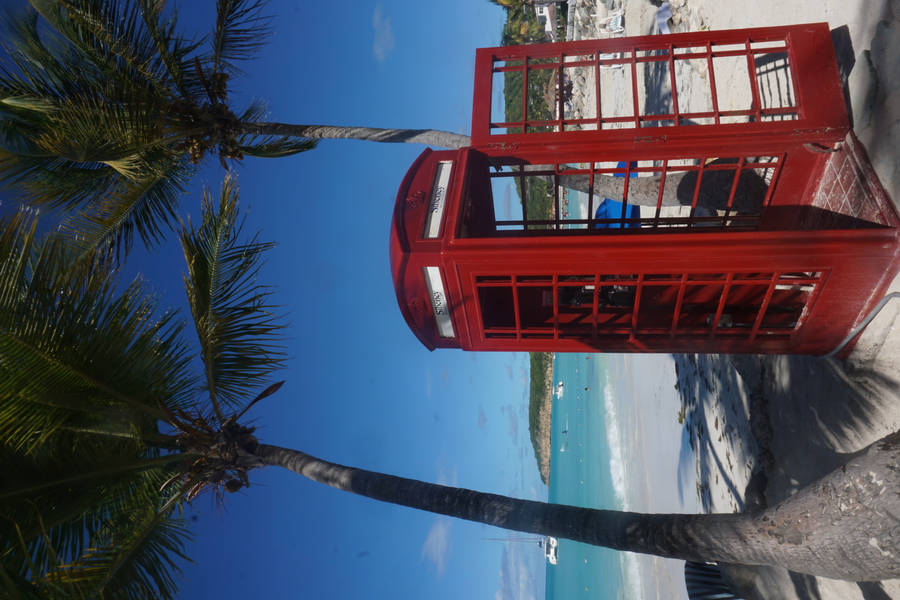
point(175, 53)
point(64, 536)
point(112, 35)
point(256, 111)
point(133, 556)
point(55, 182)
point(16, 241)
point(241, 30)
point(146, 208)
point(68, 330)
point(276, 147)
point(239, 331)
point(39, 64)
point(56, 499)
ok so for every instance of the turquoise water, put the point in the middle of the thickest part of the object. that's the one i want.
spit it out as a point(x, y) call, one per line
point(584, 472)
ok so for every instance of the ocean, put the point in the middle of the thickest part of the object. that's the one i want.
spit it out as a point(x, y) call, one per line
point(587, 469)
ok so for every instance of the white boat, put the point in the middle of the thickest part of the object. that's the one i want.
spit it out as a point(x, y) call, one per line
point(551, 549)
point(549, 543)
point(559, 390)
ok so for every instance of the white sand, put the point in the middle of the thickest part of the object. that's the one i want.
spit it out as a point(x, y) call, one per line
point(661, 476)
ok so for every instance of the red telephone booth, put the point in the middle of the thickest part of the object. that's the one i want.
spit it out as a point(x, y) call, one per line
point(735, 213)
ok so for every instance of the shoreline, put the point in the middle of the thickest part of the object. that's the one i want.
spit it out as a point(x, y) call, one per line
point(545, 421)
point(540, 411)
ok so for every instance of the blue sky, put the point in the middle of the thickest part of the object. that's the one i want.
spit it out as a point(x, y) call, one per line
point(360, 388)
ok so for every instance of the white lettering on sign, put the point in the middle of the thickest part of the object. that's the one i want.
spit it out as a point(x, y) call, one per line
point(438, 198)
point(435, 286)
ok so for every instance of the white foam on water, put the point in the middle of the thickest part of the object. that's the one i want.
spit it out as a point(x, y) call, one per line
point(633, 588)
point(615, 444)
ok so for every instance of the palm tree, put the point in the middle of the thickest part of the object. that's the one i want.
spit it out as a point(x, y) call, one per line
point(105, 109)
point(86, 368)
point(81, 369)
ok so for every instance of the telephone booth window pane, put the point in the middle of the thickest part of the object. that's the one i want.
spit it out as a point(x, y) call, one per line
point(506, 92)
point(653, 73)
point(477, 213)
point(577, 115)
point(657, 309)
point(786, 307)
point(733, 91)
point(699, 306)
point(776, 86)
point(536, 306)
point(541, 75)
point(615, 305)
point(742, 306)
point(640, 196)
point(497, 310)
point(575, 308)
point(507, 203)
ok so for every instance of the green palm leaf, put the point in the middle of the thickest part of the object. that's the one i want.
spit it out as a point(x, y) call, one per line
point(275, 147)
point(237, 327)
point(84, 370)
point(134, 556)
point(240, 31)
point(61, 330)
point(145, 207)
point(115, 38)
point(268, 146)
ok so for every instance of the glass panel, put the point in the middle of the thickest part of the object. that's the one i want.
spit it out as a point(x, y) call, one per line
point(577, 300)
point(506, 199)
point(699, 305)
point(742, 306)
point(655, 88)
point(617, 108)
point(535, 306)
point(694, 91)
point(496, 307)
point(579, 95)
point(776, 87)
point(541, 90)
point(506, 99)
point(733, 90)
point(657, 306)
point(499, 99)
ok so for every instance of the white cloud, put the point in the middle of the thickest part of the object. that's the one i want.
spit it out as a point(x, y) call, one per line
point(448, 476)
point(436, 548)
point(513, 423)
point(521, 566)
point(384, 41)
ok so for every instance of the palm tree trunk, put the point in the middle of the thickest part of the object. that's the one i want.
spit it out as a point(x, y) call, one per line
point(429, 137)
point(845, 526)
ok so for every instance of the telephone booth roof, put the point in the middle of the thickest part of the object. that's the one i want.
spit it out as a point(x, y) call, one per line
point(413, 251)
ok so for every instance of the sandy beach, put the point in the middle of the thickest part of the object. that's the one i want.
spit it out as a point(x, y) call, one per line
point(706, 425)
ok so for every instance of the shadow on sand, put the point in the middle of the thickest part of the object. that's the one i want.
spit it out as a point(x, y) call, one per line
point(809, 416)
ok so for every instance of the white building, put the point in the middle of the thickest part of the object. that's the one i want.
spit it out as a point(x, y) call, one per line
point(546, 16)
